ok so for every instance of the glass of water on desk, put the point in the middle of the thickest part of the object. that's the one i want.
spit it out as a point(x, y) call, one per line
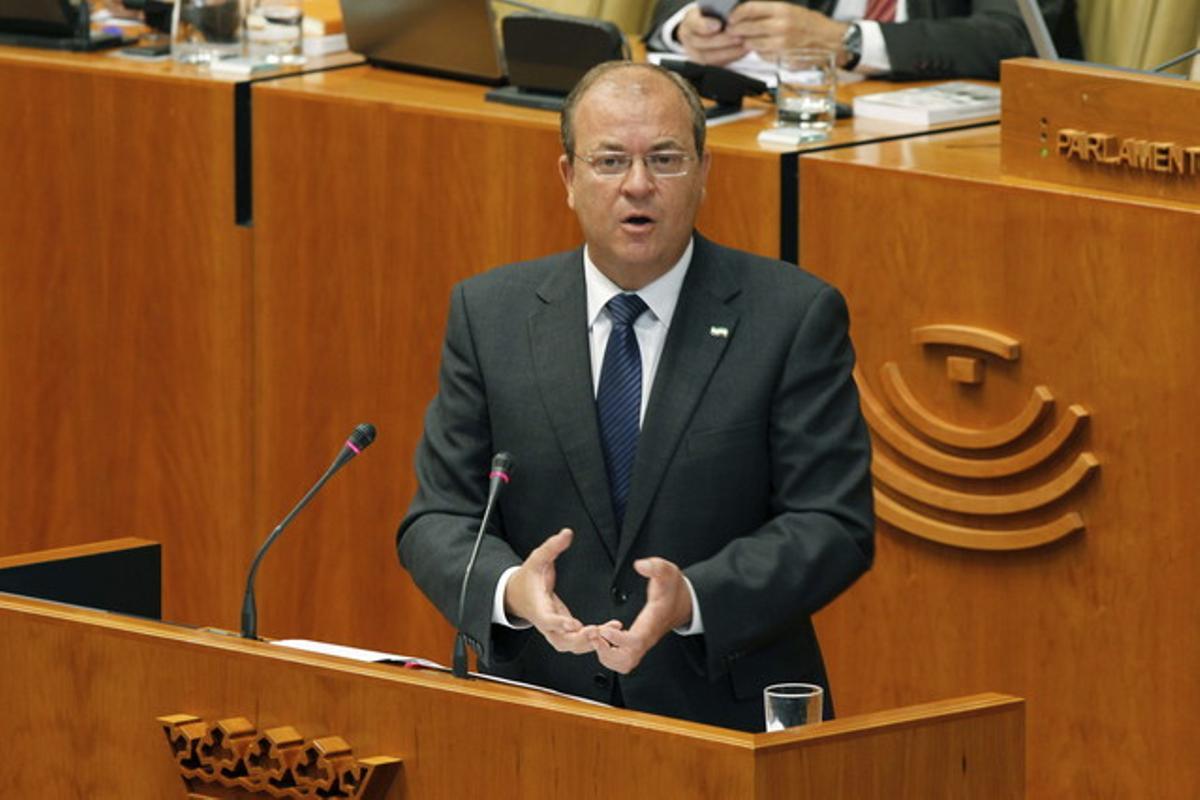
point(790, 705)
point(804, 96)
point(274, 31)
point(205, 30)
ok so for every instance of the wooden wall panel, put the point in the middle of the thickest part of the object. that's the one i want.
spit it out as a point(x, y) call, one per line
point(124, 320)
point(1097, 630)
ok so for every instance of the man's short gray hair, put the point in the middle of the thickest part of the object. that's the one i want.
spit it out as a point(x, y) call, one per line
point(600, 71)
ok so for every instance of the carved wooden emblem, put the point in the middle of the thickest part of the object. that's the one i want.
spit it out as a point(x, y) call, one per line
point(231, 759)
point(945, 482)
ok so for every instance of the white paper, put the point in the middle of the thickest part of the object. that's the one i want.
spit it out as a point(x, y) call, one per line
point(376, 656)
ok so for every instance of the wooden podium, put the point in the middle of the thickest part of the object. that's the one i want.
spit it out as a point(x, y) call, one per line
point(83, 694)
point(1025, 326)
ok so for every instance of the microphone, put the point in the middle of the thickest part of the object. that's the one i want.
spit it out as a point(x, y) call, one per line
point(1173, 61)
point(498, 476)
point(360, 438)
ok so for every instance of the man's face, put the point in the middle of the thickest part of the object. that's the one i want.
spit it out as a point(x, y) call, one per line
point(638, 224)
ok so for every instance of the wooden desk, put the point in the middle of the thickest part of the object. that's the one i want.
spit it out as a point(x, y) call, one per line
point(83, 690)
point(1098, 628)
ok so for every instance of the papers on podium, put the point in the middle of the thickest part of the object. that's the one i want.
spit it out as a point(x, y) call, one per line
point(377, 657)
point(931, 105)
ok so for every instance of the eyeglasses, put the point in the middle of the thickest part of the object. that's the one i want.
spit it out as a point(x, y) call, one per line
point(660, 163)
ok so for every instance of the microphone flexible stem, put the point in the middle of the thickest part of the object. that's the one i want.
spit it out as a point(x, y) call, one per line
point(1172, 62)
point(460, 644)
point(249, 608)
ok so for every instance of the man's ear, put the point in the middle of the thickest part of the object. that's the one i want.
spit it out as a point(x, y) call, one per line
point(566, 171)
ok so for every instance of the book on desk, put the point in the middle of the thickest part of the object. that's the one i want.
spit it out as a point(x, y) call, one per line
point(930, 105)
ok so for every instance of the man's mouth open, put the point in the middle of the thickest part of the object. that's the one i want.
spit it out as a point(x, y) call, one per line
point(637, 222)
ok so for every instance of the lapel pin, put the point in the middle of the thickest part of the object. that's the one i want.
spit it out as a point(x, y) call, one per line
point(718, 332)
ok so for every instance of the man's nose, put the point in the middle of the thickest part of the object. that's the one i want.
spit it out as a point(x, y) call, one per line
point(639, 180)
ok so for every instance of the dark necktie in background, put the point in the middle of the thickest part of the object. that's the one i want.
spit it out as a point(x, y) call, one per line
point(619, 398)
point(880, 10)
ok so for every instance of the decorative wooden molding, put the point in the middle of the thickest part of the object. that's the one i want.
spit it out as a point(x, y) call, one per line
point(231, 759)
point(908, 500)
point(964, 370)
point(970, 538)
point(976, 338)
point(900, 439)
point(909, 485)
point(916, 415)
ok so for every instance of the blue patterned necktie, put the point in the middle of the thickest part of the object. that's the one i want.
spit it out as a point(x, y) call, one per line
point(619, 398)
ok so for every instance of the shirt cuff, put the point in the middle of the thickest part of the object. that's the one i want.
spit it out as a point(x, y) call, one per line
point(667, 31)
point(499, 617)
point(875, 57)
point(697, 624)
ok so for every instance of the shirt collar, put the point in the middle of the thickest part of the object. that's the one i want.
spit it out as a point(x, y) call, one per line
point(661, 295)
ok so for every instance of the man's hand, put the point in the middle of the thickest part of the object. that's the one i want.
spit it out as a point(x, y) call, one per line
point(668, 606)
point(530, 596)
point(769, 27)
point(705, 42)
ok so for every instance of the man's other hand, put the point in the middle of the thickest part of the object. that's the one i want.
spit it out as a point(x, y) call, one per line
point(769, 27)
point(705, 42)
point(530, 596)
point(668, 606)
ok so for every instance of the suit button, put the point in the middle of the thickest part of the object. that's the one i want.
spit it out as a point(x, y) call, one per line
point(619, 597)
point(601, 680)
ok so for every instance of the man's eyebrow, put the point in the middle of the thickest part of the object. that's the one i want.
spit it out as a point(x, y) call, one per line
point(610, 146)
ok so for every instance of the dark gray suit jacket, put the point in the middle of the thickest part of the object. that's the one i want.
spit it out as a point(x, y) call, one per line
point(752, 473)
point(950, 38)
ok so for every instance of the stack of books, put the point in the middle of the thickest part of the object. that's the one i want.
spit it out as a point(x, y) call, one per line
point(323, 31)
point(931, 105)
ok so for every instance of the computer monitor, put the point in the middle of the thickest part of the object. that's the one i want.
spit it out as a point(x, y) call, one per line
point(452, 38)
point(54, 24)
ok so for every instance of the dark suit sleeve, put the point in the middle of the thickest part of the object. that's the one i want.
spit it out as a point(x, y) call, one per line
point(435, 538)
point(820, 537)
point(964, 39)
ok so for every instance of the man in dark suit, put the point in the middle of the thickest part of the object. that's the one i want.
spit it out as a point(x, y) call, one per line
point(901, 40)
point(692, 469)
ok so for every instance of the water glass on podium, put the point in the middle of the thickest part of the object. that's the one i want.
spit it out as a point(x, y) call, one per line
point(206, 30)
point(274, 31)
point(788, 705)
point(804, 100)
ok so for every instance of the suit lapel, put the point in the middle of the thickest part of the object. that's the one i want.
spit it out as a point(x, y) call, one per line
point(562, 361)
point(694, 346)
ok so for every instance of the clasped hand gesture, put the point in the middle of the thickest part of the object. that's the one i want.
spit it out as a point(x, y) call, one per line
point(530, 595)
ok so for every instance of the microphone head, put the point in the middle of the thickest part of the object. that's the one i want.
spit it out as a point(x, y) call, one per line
point(361, 437)
point(502, 464)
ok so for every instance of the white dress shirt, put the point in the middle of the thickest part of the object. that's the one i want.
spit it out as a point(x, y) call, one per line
point(661, 296)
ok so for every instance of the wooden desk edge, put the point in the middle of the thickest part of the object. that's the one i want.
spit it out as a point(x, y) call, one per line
point(75, 551)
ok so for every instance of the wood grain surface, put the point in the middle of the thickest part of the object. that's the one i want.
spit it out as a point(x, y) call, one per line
point(83, 694)
point(124, 313)
point(1042, 98)
point(1097, 629)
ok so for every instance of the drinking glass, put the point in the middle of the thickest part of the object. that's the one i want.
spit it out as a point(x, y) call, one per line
point(787, 705)
point(274, 31)
point(804, 100)
point(206, 30)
